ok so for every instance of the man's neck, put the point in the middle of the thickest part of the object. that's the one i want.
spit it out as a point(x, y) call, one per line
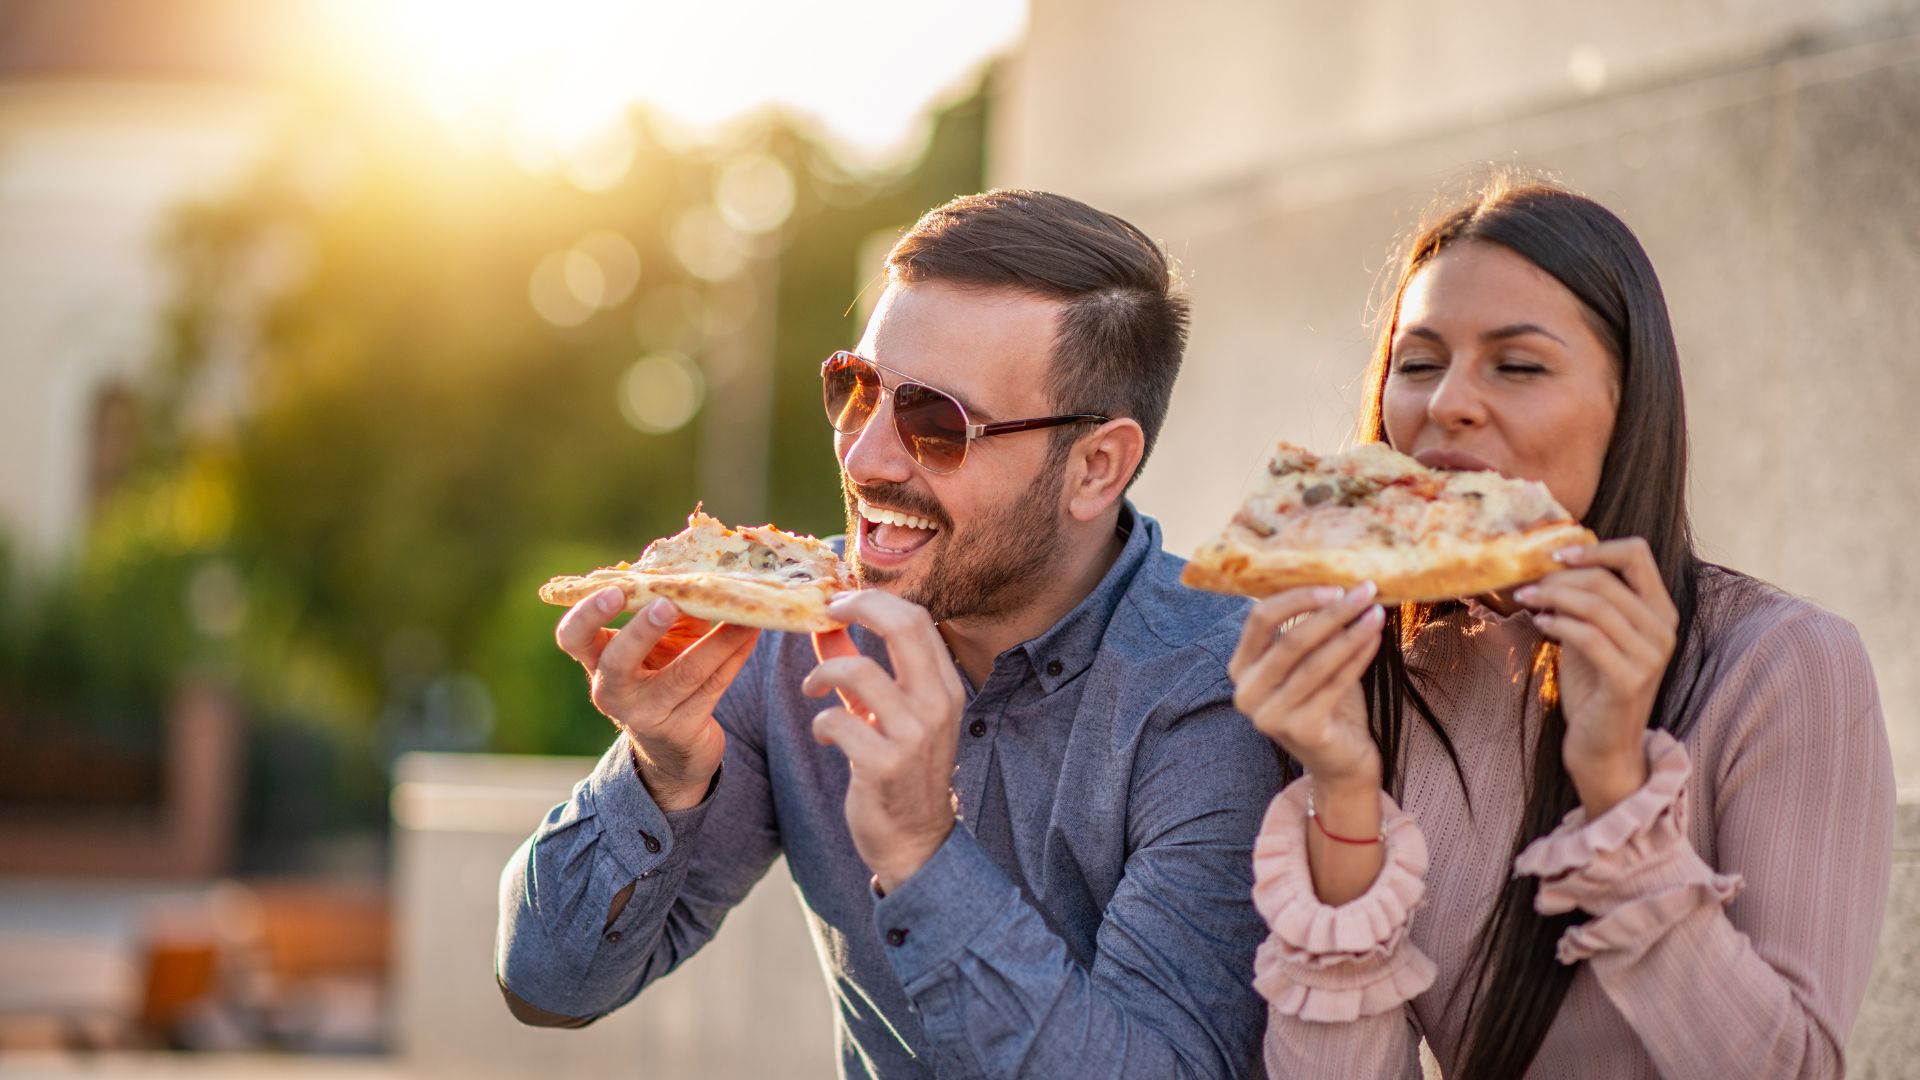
point(975, 642)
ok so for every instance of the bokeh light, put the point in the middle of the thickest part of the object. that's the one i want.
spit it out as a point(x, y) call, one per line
point(661, 393)
point(708, 245)
point(754, 193)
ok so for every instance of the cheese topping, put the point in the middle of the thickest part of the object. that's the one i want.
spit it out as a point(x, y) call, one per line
point(1374, 494)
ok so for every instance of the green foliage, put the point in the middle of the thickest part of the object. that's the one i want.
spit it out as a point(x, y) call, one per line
point(357, 547)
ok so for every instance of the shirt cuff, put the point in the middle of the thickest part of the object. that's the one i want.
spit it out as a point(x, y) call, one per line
point(1337, 963)
point(1632, 868)
point(930, 919)
point(641, 836)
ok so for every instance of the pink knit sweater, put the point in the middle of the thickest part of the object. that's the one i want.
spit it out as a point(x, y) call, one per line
point(1736, 898)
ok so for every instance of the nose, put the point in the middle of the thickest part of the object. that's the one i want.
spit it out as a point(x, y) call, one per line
point(874, 454)
point(1456, 402)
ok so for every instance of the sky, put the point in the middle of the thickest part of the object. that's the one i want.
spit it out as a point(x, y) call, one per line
point(552, 78)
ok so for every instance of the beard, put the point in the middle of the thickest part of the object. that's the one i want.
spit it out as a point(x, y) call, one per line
point(985, 571)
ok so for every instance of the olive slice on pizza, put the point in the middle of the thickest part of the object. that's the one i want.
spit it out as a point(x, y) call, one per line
point(749, 576)
point(1375, 514)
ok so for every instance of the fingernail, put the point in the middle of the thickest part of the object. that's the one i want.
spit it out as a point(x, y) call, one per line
point(1366, 590)
point(1566, 554)
point(661, 613)
point(1526, 595)
point(609, 600)
point(1376, 615)
point(1543, 620)
point(1327, 594)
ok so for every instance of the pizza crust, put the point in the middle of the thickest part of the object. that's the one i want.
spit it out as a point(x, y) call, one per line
point(1434, 571)
point(714, 597)
point(789, 593)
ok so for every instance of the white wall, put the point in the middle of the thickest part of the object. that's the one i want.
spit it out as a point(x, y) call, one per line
point(90, 174)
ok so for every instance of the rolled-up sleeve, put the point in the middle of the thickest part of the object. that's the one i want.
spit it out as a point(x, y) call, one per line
point(611, 892)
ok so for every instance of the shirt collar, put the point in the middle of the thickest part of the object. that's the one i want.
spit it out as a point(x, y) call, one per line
point(1067, 648)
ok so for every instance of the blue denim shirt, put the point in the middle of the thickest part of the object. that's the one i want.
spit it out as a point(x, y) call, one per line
point(1092, 915)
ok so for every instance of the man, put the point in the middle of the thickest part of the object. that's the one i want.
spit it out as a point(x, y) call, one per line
point(1023, 837)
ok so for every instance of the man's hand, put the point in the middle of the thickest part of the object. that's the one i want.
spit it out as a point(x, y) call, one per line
point(899, 734)
point(658, 689)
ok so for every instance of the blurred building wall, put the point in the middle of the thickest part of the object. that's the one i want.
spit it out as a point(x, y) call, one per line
point(1767, 153)
point(111, 117)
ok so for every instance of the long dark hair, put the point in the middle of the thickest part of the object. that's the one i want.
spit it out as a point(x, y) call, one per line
point(1516, 985)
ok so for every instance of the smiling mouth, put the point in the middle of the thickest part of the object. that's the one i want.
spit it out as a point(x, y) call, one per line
point(891, 532)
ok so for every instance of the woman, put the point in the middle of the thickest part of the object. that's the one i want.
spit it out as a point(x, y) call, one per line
point(1632, 820)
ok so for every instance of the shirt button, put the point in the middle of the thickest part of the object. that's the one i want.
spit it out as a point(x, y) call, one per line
point(896, 937)
point(1055, 667)
point(613, 937)
point(977, 728)
point(652, 841)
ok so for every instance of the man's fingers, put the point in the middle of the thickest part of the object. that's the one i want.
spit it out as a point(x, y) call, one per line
point(700, 702)
point(919, 654)
point(866, 687)
point(691, 669)
point(828, 644)
point(629, 648)
point(582, 632)
point(864, 746)
point(1269, 615)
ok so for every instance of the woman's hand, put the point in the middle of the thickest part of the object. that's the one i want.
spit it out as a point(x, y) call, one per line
point(1611, 614)
point(1301, 686)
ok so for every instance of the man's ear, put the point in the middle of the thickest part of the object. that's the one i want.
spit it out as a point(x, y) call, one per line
point(1102, 465)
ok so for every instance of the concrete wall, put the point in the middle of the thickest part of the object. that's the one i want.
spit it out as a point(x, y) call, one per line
point(1768, 158)
point(753, 1003)
point(1767, 154)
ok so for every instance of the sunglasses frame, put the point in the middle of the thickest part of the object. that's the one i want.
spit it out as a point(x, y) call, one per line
point(970, 429)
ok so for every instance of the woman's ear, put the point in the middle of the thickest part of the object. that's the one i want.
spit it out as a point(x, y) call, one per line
point(1102, 465)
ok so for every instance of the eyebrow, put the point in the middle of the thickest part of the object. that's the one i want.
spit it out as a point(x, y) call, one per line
point(1511, 330)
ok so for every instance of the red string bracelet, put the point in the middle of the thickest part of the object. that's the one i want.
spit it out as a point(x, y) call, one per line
point(1314, 817)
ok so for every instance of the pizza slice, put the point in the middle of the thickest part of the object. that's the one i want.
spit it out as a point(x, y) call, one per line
point(1375, 514)
point(750, 576)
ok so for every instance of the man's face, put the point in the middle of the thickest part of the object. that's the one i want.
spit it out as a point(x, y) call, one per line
point(996, 520)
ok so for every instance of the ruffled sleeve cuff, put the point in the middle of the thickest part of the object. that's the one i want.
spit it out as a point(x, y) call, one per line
point(1336, 964)
point(1632, 868)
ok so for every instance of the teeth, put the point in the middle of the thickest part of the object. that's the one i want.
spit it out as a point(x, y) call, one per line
point(893, 517)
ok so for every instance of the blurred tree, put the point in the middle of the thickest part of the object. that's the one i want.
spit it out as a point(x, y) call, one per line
point(405, 382)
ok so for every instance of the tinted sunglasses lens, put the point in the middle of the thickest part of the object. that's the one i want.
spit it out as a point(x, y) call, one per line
point(932, 426)
point(852, 390)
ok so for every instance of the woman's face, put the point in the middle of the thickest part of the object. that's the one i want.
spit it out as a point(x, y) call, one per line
point(1495, 366)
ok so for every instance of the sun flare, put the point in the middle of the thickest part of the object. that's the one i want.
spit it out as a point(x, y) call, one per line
point(554, 80)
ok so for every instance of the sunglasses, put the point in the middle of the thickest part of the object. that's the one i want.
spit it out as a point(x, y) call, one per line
point(932, 426)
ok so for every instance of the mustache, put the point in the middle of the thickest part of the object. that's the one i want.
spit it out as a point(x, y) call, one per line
point(894, 497)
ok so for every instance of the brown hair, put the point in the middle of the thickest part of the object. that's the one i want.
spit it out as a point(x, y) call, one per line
point(1123, 324)
point(1517, 985)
